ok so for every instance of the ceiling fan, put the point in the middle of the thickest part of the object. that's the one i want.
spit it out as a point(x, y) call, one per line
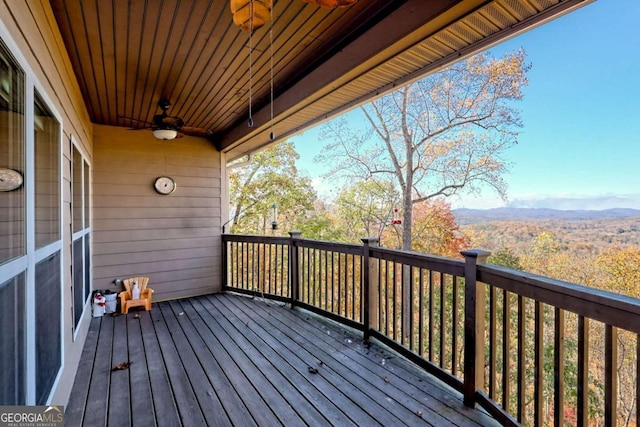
point(167, 127)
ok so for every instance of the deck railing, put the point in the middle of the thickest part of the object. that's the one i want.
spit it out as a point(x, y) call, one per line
point(528, 349)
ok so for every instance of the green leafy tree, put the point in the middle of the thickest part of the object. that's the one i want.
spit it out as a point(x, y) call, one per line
point(365, 208)
point(505, 258)
point(270, 178)
point(320, 224)
point(437, 137)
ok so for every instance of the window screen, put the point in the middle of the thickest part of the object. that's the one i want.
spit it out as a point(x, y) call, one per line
point(12, 341)
point(48, 328)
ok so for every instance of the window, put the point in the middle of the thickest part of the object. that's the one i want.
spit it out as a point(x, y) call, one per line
point(31, 334)
point(47, 170)
point(81, 231)
point(12, 156)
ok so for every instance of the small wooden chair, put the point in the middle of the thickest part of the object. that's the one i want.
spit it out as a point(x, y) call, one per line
point(126, 297)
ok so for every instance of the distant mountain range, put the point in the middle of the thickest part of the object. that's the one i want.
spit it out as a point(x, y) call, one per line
point(466, 216)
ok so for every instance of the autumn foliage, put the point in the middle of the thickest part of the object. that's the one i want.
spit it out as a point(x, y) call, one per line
point(435, 230)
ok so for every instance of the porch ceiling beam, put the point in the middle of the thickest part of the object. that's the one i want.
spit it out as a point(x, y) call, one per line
point(410, 24)
point(407, 25)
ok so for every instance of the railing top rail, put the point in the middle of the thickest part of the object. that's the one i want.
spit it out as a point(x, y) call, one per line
point(348, 248)
point(451, 266)
point(613, 309)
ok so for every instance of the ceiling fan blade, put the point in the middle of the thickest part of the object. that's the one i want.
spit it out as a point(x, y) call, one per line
point(193, 131)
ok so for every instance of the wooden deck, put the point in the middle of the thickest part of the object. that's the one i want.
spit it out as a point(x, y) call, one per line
point(230, 360)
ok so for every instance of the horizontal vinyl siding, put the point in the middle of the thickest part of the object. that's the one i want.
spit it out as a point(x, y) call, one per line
point(174, 239)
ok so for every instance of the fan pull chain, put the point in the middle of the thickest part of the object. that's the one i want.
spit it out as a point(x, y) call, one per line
point(272, 135)
point(250, 122)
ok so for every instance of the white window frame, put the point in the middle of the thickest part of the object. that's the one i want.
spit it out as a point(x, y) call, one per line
point(86, 230)
point(27, 262)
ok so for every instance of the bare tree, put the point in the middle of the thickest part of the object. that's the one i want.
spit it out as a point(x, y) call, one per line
point(437, 137)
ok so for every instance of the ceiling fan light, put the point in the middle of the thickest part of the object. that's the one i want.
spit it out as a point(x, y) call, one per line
point(250, 15)
point(165, 134)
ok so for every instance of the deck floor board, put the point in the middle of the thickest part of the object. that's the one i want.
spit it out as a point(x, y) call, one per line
point(230, 360)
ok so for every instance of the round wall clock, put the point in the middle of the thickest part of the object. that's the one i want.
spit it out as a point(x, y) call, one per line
point(10, 179)
point(164, 185)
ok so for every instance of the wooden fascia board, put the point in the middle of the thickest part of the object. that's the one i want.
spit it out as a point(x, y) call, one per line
point(399, 30)
point(322, 81)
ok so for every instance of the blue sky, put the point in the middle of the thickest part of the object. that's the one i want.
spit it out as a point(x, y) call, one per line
point(580, 145)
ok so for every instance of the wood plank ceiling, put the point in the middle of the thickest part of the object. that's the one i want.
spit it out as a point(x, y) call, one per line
point(129, 54)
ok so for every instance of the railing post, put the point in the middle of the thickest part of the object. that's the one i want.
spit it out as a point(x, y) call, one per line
point(474, 325)
point(369, 287)
point(225, 262)
point(294, 276)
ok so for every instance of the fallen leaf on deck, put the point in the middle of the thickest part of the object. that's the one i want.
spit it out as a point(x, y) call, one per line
point(122, 366)
point(313, 370)
point(386, 379)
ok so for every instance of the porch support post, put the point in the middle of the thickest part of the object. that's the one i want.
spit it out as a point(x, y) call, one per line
point(369, 287)
point(294, 275)
point(474, 325)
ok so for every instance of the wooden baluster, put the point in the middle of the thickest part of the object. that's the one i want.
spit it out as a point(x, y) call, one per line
point(335, 282)
point(381, 299)
point(353, 287)
point(610, 375)
point(443, 322)
point(271, 269)
point(306, 264)
point(394, 291)
point(324, 269)
point(506, 350)
point(237, 264)
point(257, 255)
point(492, 342)
point(454, 321)
point(282, 276)
point(521, 358)
point(538, 345)
point(583, 372)
point(431, 309)
point(411, 309)
point(407, 292)
point(558, 371)
point(421, 312)
point(637, 380)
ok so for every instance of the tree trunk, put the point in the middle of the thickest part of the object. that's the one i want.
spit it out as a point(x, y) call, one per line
point(407, 218)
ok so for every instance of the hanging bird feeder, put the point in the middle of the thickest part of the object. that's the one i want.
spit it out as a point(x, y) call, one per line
point(250, 15)
point(331, 4)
